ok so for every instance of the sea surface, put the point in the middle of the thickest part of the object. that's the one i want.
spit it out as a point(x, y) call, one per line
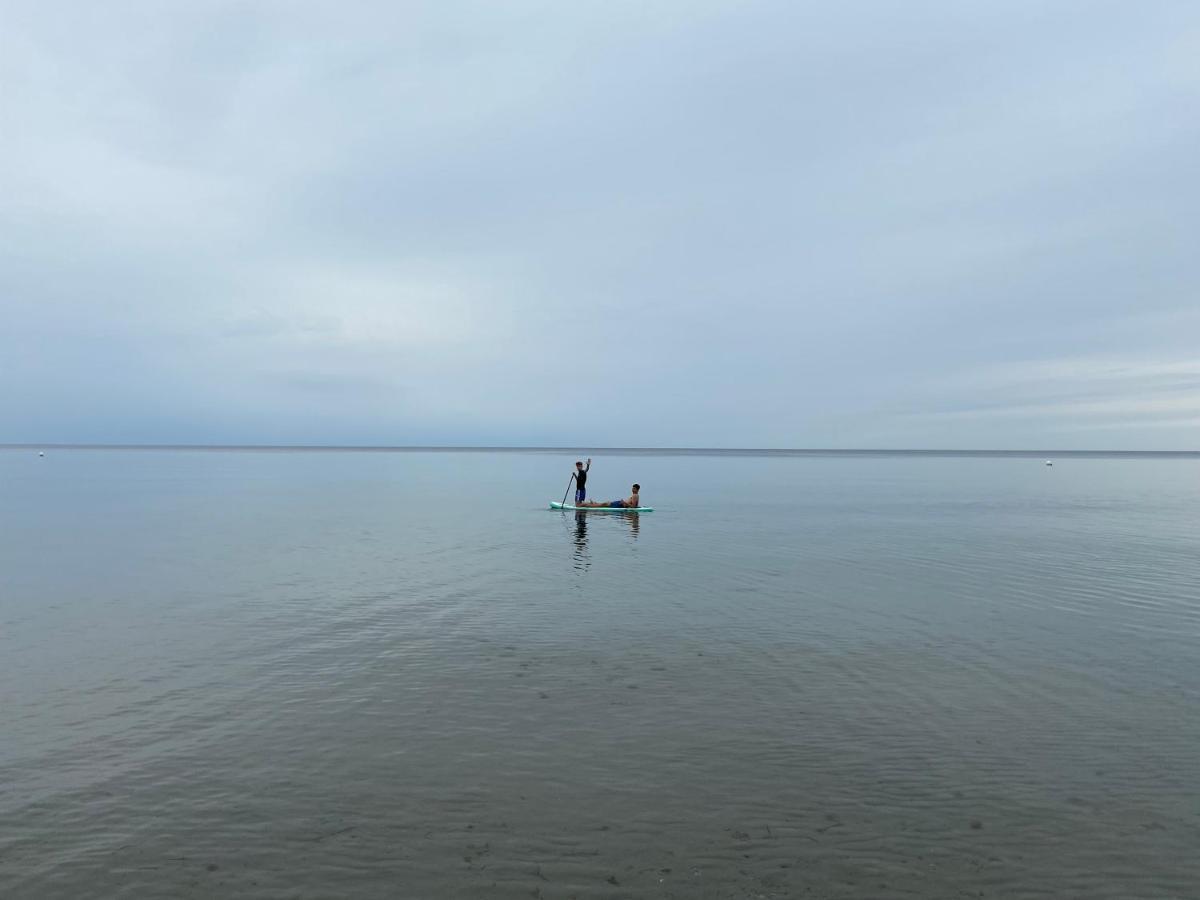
point(398, 674)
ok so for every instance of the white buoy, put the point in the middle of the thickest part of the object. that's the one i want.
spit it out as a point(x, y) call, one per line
point(40, 453)
point(1049, 463)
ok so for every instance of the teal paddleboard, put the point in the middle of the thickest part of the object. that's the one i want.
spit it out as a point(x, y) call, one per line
point(554, 504)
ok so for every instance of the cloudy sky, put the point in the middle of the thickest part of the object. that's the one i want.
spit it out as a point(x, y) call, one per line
point(864, 224)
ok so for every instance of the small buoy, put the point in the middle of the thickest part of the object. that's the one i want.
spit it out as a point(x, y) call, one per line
point(40, 453)
point(1049, 463)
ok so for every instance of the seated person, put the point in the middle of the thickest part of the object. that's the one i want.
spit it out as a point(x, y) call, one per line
point(633, 501)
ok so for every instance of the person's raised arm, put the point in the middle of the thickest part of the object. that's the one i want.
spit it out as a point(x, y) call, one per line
point(588, 467)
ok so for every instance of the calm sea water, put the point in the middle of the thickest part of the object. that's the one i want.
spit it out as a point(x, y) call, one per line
point(241, 674)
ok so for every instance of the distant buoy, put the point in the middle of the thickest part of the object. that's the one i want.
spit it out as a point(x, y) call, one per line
point(1049, 463)
point(40, 453)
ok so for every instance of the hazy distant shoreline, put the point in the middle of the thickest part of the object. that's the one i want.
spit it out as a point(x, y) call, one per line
point(639, 451)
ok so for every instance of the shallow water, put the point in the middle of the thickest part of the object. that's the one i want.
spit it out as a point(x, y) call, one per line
point(261, 674)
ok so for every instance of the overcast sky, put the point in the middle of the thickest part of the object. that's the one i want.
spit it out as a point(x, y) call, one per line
point(863, 224)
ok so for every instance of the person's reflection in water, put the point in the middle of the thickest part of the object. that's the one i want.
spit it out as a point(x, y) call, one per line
point(582, 559)
point(634, 523)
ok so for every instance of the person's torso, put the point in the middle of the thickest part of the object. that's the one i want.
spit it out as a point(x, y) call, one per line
point(580, 477)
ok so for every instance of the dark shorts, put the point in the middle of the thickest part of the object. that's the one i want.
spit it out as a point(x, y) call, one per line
point(580, 495)
point(617, 504)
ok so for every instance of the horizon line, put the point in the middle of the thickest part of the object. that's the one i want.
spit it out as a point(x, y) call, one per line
point(578, 448)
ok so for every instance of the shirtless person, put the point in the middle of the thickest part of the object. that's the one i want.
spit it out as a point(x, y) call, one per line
point(633, 501)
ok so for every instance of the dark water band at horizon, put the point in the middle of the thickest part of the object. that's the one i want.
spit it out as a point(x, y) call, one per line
point(948, 453)
point(313, 675)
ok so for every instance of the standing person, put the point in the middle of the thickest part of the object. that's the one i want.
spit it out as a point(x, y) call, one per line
point(580, 477)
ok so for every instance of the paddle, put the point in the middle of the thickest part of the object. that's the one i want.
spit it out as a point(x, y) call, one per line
point(568, 490)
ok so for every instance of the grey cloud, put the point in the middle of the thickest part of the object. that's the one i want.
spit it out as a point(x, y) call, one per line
point(715, 223)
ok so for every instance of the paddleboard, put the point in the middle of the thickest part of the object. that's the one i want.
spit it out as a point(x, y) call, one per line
point(554, 504)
